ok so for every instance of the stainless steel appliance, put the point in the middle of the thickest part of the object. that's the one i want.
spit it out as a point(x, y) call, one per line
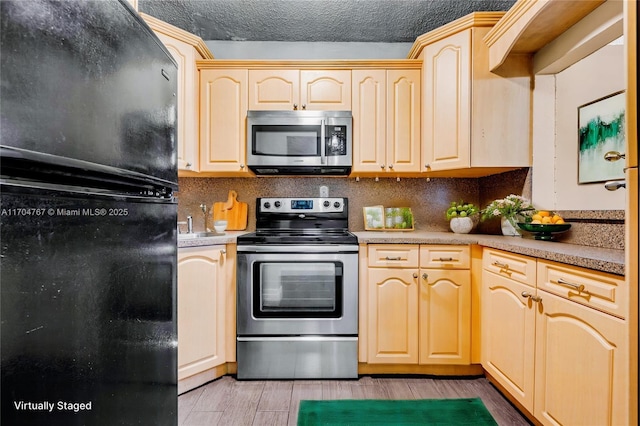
point(299, 142)
point(88, 219)
point(297, 291)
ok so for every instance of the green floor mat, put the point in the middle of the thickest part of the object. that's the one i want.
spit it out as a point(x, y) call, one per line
point(445, 412)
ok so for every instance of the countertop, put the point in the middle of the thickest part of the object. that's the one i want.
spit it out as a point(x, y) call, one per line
point(599, 259)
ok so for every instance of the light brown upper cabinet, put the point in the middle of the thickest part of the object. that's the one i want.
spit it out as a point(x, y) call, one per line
point(474, 122)
point(186, 49)
point(223, 122)
point(292, 89)
point(386, 121)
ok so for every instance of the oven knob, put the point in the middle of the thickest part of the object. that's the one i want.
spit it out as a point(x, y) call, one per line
point(326, 204)
point(266, 205)
point(277, 204)
point(336, 204)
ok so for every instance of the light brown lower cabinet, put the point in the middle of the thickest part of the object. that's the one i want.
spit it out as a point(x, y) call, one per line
point(418, 315)
point(202, 314)
point(563, 361)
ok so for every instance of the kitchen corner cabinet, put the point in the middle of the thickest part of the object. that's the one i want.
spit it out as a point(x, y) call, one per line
point(186, 49)
point(563, 360)
point(386, 121)
point(223, 122)
point(291, 89)
point(202, 310)
point(508, 322)
point(472, 119)
point(416, 314)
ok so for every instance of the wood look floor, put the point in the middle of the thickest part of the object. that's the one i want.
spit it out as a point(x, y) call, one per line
point(227, 401)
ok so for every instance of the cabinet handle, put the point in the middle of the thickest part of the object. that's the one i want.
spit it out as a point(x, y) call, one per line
point(188, 165)
point(415, 275)
point(391, 166)
point(501, 265)
point(528, 295)
point(425, 276)
point(614, 156)
point(427, 166)
point(304, 106)
point(445, 259)
point(295, 106)
point(579, 287)
point(223, 252)
point(393, 258)
point(382, 166)
point(242, 166)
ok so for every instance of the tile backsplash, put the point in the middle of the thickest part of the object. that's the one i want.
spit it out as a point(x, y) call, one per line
point(428, 199)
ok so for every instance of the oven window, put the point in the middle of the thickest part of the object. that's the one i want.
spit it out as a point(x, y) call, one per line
point(286, 141)
point(297, 289)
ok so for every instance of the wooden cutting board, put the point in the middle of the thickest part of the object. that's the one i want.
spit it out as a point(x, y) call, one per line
point(233, 211)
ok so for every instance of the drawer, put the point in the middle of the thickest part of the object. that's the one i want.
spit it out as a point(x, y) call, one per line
point(515, 266)
point(445, 257)
point(599, 290)
point(393, 256)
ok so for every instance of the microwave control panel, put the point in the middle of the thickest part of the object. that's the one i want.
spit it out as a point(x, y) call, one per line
point(336, 140)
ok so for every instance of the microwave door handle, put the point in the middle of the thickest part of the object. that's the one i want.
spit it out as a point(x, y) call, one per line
point(322, 142)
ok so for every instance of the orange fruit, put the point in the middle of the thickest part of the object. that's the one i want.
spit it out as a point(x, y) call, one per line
point(560, 221)
point(536, 221)
point(555, 218)
point(544, 213)
point(536, 217)
point(546, 219)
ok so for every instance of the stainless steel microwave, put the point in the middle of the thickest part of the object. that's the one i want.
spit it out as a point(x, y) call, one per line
point(299, 142)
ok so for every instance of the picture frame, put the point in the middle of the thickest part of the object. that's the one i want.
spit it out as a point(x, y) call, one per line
point(601, 127)
point(373, 218)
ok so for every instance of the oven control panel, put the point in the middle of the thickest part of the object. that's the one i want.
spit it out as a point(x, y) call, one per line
point(302, 205)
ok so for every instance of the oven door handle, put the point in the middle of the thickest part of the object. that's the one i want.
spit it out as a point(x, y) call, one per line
point(313, 338)
point(323, 142)
point(320, 248)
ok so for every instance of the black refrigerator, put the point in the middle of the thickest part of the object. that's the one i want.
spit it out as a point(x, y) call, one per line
point(87, 216)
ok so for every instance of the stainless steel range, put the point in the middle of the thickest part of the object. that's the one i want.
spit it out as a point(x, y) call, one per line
point(297, 289)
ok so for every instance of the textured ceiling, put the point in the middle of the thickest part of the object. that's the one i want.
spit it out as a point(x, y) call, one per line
point(390, 21)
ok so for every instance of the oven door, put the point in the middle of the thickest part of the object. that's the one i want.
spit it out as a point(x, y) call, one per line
point(296, 293)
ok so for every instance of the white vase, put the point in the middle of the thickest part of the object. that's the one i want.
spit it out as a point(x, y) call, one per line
point(508, 228)
point(461, 225)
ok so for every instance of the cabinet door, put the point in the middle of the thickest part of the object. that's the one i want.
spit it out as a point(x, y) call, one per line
point(201, 310)
point(581, 366)
point(446, 131)
point(508, 335)
point(274, 89)
point(445, 317)
point(187, 129)
point(403, 120)
point(223, 115)
point(369, 120)
point(325, 90)
point(393, 316)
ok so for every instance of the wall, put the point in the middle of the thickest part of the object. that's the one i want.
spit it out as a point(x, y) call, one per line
point(555, 153)
point(266, 50)
point(428, 199)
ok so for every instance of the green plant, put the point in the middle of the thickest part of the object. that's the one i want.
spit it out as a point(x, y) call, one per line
point(508, 207)
point(461, 209)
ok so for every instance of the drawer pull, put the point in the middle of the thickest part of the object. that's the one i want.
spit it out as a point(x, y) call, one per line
point(415, 275)
point(501, 265)
point(579, 287)
point(445, 259)
point(393, 258)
